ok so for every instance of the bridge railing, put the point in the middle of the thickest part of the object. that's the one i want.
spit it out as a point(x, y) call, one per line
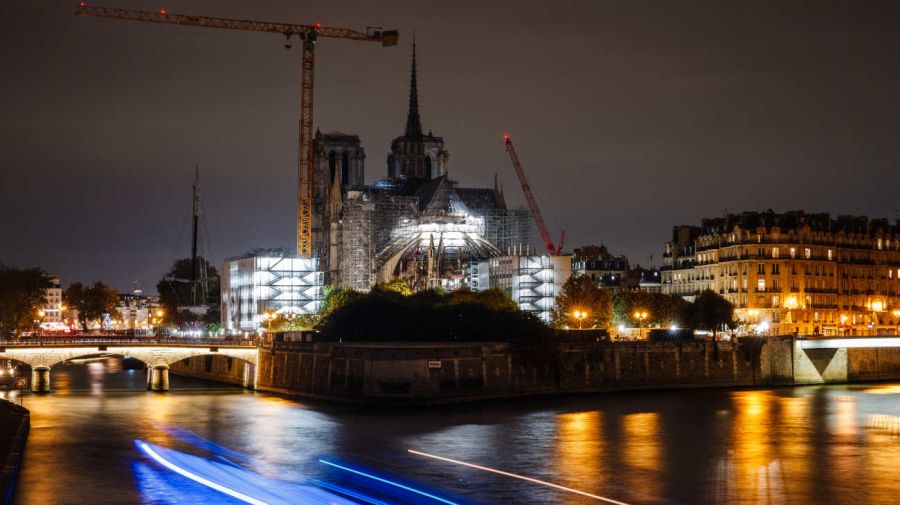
point(105, 340)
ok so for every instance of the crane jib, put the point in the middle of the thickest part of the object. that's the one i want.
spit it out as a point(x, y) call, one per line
point(307, 33)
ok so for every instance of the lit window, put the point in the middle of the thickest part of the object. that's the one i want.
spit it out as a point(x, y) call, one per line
point(761, 285)
point(774, 252)
point(830, 255)
point(880, 244)
point(807, 253)
point(793, 252)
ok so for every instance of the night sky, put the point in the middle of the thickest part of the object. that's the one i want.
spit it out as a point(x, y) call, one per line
point(629, 116)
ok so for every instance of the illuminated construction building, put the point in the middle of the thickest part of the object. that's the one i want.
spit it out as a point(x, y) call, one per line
point(416, 224)
point(533, 282)
point(268, 281)
point(793, 272)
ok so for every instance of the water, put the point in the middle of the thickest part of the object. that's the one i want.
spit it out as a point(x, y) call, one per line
point(835, 444)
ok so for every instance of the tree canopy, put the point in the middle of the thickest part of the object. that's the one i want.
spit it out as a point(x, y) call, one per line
point(662, 310)
point(430, 315)
point(91, 302)
point(21, 297)
point(710, 312)
point(581, 293)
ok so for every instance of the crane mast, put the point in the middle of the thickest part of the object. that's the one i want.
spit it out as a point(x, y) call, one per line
point(308, 34)
point(532, 202)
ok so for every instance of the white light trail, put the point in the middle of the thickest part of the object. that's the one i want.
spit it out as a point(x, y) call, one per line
point(516, 476)
point(196, 478)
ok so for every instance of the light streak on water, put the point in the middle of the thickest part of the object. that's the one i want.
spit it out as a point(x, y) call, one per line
point(196, 478)
point(389, 482)
point(516, 476)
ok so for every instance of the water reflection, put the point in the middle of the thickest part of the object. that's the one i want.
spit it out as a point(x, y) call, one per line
point(792, 445)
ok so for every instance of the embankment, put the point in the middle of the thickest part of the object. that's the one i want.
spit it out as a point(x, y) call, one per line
point(431, 373)
point(15, 422)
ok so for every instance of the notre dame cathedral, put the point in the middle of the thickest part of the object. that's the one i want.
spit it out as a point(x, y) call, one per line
point(416, 224)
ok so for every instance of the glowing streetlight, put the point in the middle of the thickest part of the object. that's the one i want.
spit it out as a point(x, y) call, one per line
point(641, 316)
point(579, 315)
point(41, 313)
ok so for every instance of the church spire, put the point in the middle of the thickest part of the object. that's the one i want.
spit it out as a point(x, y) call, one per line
point(413, 123)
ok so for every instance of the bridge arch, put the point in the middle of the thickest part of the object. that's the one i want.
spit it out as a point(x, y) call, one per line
point(158, 357)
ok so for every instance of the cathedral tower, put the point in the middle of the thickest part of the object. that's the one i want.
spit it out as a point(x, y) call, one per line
point(416, 155)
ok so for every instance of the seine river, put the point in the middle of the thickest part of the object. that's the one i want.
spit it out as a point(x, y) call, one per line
point(835, 444)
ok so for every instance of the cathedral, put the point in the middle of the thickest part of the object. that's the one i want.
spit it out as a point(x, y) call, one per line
point(416, 224)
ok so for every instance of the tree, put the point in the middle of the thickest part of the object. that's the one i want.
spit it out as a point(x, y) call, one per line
point(175, 293)
point(661, 309)
point(21, 297)
point(710, 312)
point(581, 293)
point(398, 285)
point(91, 302)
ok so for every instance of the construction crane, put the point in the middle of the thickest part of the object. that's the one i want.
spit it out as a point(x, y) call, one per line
point(308, 34)
point(532, 202)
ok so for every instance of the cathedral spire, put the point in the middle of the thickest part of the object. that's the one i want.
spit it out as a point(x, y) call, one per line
point(413, 123)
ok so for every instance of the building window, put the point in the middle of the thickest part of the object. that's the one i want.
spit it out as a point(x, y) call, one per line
point(775, 252)
point(761, 269)
point(807, 253)
point(830, 255)
point(775, 268)
point(793, 252)
point(761, 285)
point(880, 244)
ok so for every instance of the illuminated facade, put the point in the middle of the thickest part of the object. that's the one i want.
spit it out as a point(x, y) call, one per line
point(793, 272)
point(533, 282)
point(53, 302)
point(268, 281)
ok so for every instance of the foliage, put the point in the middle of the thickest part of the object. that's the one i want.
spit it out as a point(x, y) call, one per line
point(175, 292)
point(91, 302)
point(662, 310)
point(581, 293)
point(431, 315)
point(21, 296)
point(710, 311)
point(398, 286)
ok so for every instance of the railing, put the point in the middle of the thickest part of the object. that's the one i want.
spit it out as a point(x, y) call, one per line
point(152, 340)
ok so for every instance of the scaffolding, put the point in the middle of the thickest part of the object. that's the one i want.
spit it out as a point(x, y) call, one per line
point(508, 229)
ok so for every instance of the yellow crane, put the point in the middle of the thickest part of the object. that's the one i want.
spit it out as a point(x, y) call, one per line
point(308, 34)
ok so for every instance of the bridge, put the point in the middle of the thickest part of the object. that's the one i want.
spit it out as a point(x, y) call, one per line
point(157, 353)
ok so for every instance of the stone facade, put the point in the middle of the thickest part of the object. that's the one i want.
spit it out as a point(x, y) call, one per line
point(793, 272)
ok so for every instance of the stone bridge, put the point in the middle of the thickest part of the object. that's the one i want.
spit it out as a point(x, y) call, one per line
point(157, 355)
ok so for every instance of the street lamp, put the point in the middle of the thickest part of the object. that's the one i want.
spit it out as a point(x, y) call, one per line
point(579, 315)
point(641, 316)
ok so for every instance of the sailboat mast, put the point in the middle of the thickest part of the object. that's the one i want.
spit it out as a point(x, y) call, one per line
point(196, 222)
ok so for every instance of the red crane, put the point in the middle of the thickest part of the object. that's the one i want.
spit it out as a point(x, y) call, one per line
point(308, 34)
point(532, 202)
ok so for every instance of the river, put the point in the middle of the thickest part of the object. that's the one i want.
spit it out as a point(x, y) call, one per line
point(835, 444)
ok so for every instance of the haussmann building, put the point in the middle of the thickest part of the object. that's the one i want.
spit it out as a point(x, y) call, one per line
point(793, 272)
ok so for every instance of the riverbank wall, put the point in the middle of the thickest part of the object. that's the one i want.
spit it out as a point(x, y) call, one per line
point(404, 373)
point(15, 423)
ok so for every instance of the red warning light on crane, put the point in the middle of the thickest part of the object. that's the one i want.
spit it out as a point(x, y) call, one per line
point(318, 26)
point(505, 136)
point(163, 12)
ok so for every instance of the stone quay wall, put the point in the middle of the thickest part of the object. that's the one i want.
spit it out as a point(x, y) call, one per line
point(15, 422)
point(405, 373)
